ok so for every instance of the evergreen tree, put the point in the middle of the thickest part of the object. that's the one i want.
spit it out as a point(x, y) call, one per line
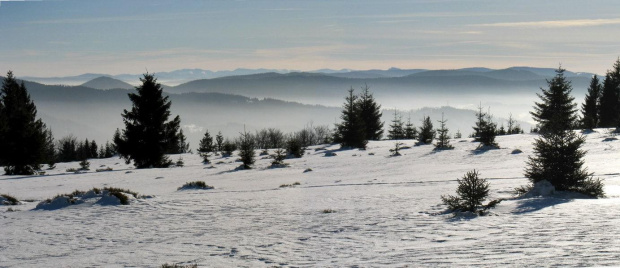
point(396, 131)
point(351, 130)
point(219, 140)
point(50, 148)
point(458, 134)
point(557, 108)
point(206, 146)
point(411, 132)
point(501, 131)
point(557, 152)
point(590, 106)
point(558, 158)
point(471, 192)
point(246, 150)
point(513, 126)
point(93, 149)
point(148, 133)
point(609, 109)
point(426, 135)
point(479, 122)
point(183, 145)
point(485, 130)
point(443, 141)
point(370, 115)
point(23, 145)
point(67, 149)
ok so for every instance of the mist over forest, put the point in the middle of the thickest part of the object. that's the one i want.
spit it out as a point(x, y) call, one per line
point(291, 101)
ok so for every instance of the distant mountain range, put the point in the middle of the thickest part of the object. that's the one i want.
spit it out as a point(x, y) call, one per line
point(178, 77)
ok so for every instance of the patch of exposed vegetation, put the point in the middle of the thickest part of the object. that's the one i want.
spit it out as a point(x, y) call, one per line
point(196, 185)
point(8, 200)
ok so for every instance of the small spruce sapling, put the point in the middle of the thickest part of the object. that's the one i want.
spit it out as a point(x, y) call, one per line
point(471, 192)
point(396, 150)
point(278, 157)
point(443, 141)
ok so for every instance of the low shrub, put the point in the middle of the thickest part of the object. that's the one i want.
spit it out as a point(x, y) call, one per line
point(196, 185)
point(103, 169)
point(290, 185)
point(327, 211)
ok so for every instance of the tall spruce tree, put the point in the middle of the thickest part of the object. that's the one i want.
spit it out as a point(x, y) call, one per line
point(556, 108)
point(148, 133)
point(396, 131)
point(426, 135)
point(558, 157)
point(590, 106)
point(370, 115)
point(443, 139)
point(23, 138)
point(609, 103)
point(350, 131)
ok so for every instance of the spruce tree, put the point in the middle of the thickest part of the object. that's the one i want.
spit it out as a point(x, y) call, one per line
point(396, 131)
point(219, 141)
point(589, 108)
point(350, 131)
point(411, 132)
point(485, 130)
point(426, 135)
point(609, 109)
point(443, 140)
point(558, 157)
point(370, 115)
point(50, 149)
point(206, 146)
point(93, 149)
point(246, 150)
point(513, 126)
point(556, 108)
point(23, 138)
point(183, 145)
point(148, 133)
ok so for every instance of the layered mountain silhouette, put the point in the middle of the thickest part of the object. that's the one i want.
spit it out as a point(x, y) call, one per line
point(178, 77)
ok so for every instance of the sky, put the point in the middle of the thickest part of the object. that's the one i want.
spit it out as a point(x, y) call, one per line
point(63, 38)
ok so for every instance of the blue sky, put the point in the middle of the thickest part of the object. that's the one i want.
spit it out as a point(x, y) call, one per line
point(59, 38)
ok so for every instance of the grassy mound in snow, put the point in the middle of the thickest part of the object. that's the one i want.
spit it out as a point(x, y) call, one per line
point(105, 196)
point(196, 185)
point(8, 200)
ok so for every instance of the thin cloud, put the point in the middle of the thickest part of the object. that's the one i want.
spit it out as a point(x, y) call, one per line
point(555, 23)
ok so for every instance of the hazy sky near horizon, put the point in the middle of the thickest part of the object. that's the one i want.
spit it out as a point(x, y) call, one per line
point(61, 38)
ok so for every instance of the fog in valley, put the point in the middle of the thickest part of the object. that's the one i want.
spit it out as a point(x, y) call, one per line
point(292, 101)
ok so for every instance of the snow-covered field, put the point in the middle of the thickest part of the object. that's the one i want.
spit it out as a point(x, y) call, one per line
point(387, 213)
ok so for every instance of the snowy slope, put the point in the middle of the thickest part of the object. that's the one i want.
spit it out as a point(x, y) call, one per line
point(387, 213)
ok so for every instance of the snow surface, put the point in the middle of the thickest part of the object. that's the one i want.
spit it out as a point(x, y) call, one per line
point(387, 212)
